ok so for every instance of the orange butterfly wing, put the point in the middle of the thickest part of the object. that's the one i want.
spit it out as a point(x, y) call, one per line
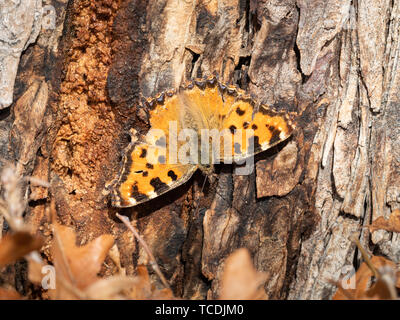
point(148, 171)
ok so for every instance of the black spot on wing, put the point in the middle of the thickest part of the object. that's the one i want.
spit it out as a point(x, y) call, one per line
point(145, 174)
point(172, 174)
point(254, 127)
point(240, 112)
point(253, 145)
point(274, 134)
point(158, 185)
point(135, 194)
point(232, 128)
point(143, 153)
point(149, 166)
point(245, 125)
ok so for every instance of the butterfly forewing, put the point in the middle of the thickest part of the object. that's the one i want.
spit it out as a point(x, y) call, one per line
point(253, 128)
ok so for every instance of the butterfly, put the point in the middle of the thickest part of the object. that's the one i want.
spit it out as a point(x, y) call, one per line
point(179, 140)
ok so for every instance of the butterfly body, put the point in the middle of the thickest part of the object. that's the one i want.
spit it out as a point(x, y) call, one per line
point(192, 128)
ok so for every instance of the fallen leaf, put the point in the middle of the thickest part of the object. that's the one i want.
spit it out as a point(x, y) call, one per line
point(9, 294)
point(35, 267)
point(392, 224)
point(76, 266)
point(115, 257)
point(16, 245)
point(144, 290)
point(240, 280)
point(163, 294)
point(110, 288)
point(365, 288)
point(384, 287)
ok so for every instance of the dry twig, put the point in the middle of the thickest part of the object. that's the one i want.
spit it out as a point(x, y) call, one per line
point(153, 261)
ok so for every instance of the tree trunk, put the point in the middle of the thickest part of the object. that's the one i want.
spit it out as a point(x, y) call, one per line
point(332, 63)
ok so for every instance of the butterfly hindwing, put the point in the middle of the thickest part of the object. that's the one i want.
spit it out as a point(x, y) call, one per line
point(143, 179)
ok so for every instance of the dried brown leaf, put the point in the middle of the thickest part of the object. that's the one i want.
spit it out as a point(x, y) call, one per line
point(77, 266)
point(392, 224)
point(110, 288)
point(143, 290)
point(381, 289)
point(35, 265)
point(9, 294)
point(240, 280)
point(16, 245)
point(163, 294)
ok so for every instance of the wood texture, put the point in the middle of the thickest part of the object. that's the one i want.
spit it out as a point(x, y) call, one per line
point(334, 64)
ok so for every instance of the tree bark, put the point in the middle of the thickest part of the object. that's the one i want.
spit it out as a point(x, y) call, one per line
point(332, 63)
